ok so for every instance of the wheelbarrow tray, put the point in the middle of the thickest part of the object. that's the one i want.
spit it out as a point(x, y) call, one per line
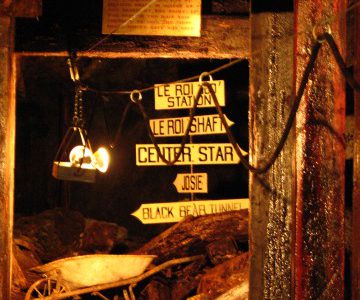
point(88, 270)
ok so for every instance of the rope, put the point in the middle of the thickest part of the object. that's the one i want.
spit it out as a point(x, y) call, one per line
point(185, 136)
point(86, 88)
point(305, 78)
point(340, 61)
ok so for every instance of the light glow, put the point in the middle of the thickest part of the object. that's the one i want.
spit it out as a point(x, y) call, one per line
point(102, 159)
point(81, 155)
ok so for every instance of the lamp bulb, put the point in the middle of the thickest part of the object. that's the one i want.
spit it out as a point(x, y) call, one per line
point(80, 155)
point(102, 159)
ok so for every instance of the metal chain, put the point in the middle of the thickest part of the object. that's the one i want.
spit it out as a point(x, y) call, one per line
point(76, 109)
point(78, 117)
point(81, 109)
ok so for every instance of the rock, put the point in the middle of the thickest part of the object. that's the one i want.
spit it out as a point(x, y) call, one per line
point(192, 235)
point(53, 233)
point(221, 250)
point(225, 276)
point(59, 233)
point(155, 290)
point(101, 237)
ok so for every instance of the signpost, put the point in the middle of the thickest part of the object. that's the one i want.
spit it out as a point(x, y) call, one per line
point(182, 95)
point(204, 124)
point(191, 183)
point(169, 212)
point(192, 154)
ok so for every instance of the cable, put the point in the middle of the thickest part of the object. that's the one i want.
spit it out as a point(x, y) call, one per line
point(121, 125)
point(259, 170)
point(134, 16)
point(262, 169)
point(86, 88)
point(225, 66)
point(326, 21)
point(340, 61)
point(314, 52)
point(185, 136)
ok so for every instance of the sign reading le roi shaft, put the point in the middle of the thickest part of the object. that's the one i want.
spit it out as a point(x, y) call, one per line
point(204, 124)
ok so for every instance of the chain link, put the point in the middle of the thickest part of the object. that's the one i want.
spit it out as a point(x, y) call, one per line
point(78, 117)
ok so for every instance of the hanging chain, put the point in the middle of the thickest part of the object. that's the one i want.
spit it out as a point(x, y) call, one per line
point(78, 116)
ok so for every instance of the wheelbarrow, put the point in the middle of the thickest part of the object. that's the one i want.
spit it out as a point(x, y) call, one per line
point(90, 274)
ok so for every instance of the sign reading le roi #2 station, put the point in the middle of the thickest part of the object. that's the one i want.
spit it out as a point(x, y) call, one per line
point(182, 95)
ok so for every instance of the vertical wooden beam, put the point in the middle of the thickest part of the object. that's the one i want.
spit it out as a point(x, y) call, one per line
point(320, 157)
point(355, 256)
point(7, 152)
point(271, 194)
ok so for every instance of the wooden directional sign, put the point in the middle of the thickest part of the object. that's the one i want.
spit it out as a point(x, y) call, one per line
point(182, 95)
point(153, 213)
point(193, 154)
point(204, 124)
point(191, 183)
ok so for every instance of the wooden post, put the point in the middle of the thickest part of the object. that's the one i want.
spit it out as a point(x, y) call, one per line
point(270, 194)
point(355, 254)
point(320, 157)
point(7, 150)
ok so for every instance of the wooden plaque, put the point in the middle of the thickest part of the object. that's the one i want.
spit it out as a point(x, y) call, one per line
point(149, 17)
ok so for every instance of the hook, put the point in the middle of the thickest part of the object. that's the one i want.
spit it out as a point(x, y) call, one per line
point(203, 74)
point(74, 72)
point(327, 29)
point(139, 96)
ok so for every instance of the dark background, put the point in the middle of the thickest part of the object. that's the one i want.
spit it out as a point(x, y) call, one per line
point(45, 96)
point(44, 110)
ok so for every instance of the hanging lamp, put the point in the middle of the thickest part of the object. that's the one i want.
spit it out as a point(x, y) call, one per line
point(80, 163)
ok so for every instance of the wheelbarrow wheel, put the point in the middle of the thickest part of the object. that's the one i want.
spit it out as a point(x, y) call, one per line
point(43, 288)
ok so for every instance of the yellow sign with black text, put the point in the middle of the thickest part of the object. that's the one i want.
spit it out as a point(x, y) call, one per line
point(191, 183)
point(154, 213)
point(203, 124)
point(182, 95)
point(192, 154)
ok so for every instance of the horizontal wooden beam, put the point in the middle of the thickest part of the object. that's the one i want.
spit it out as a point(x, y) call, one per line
point(221, 37)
